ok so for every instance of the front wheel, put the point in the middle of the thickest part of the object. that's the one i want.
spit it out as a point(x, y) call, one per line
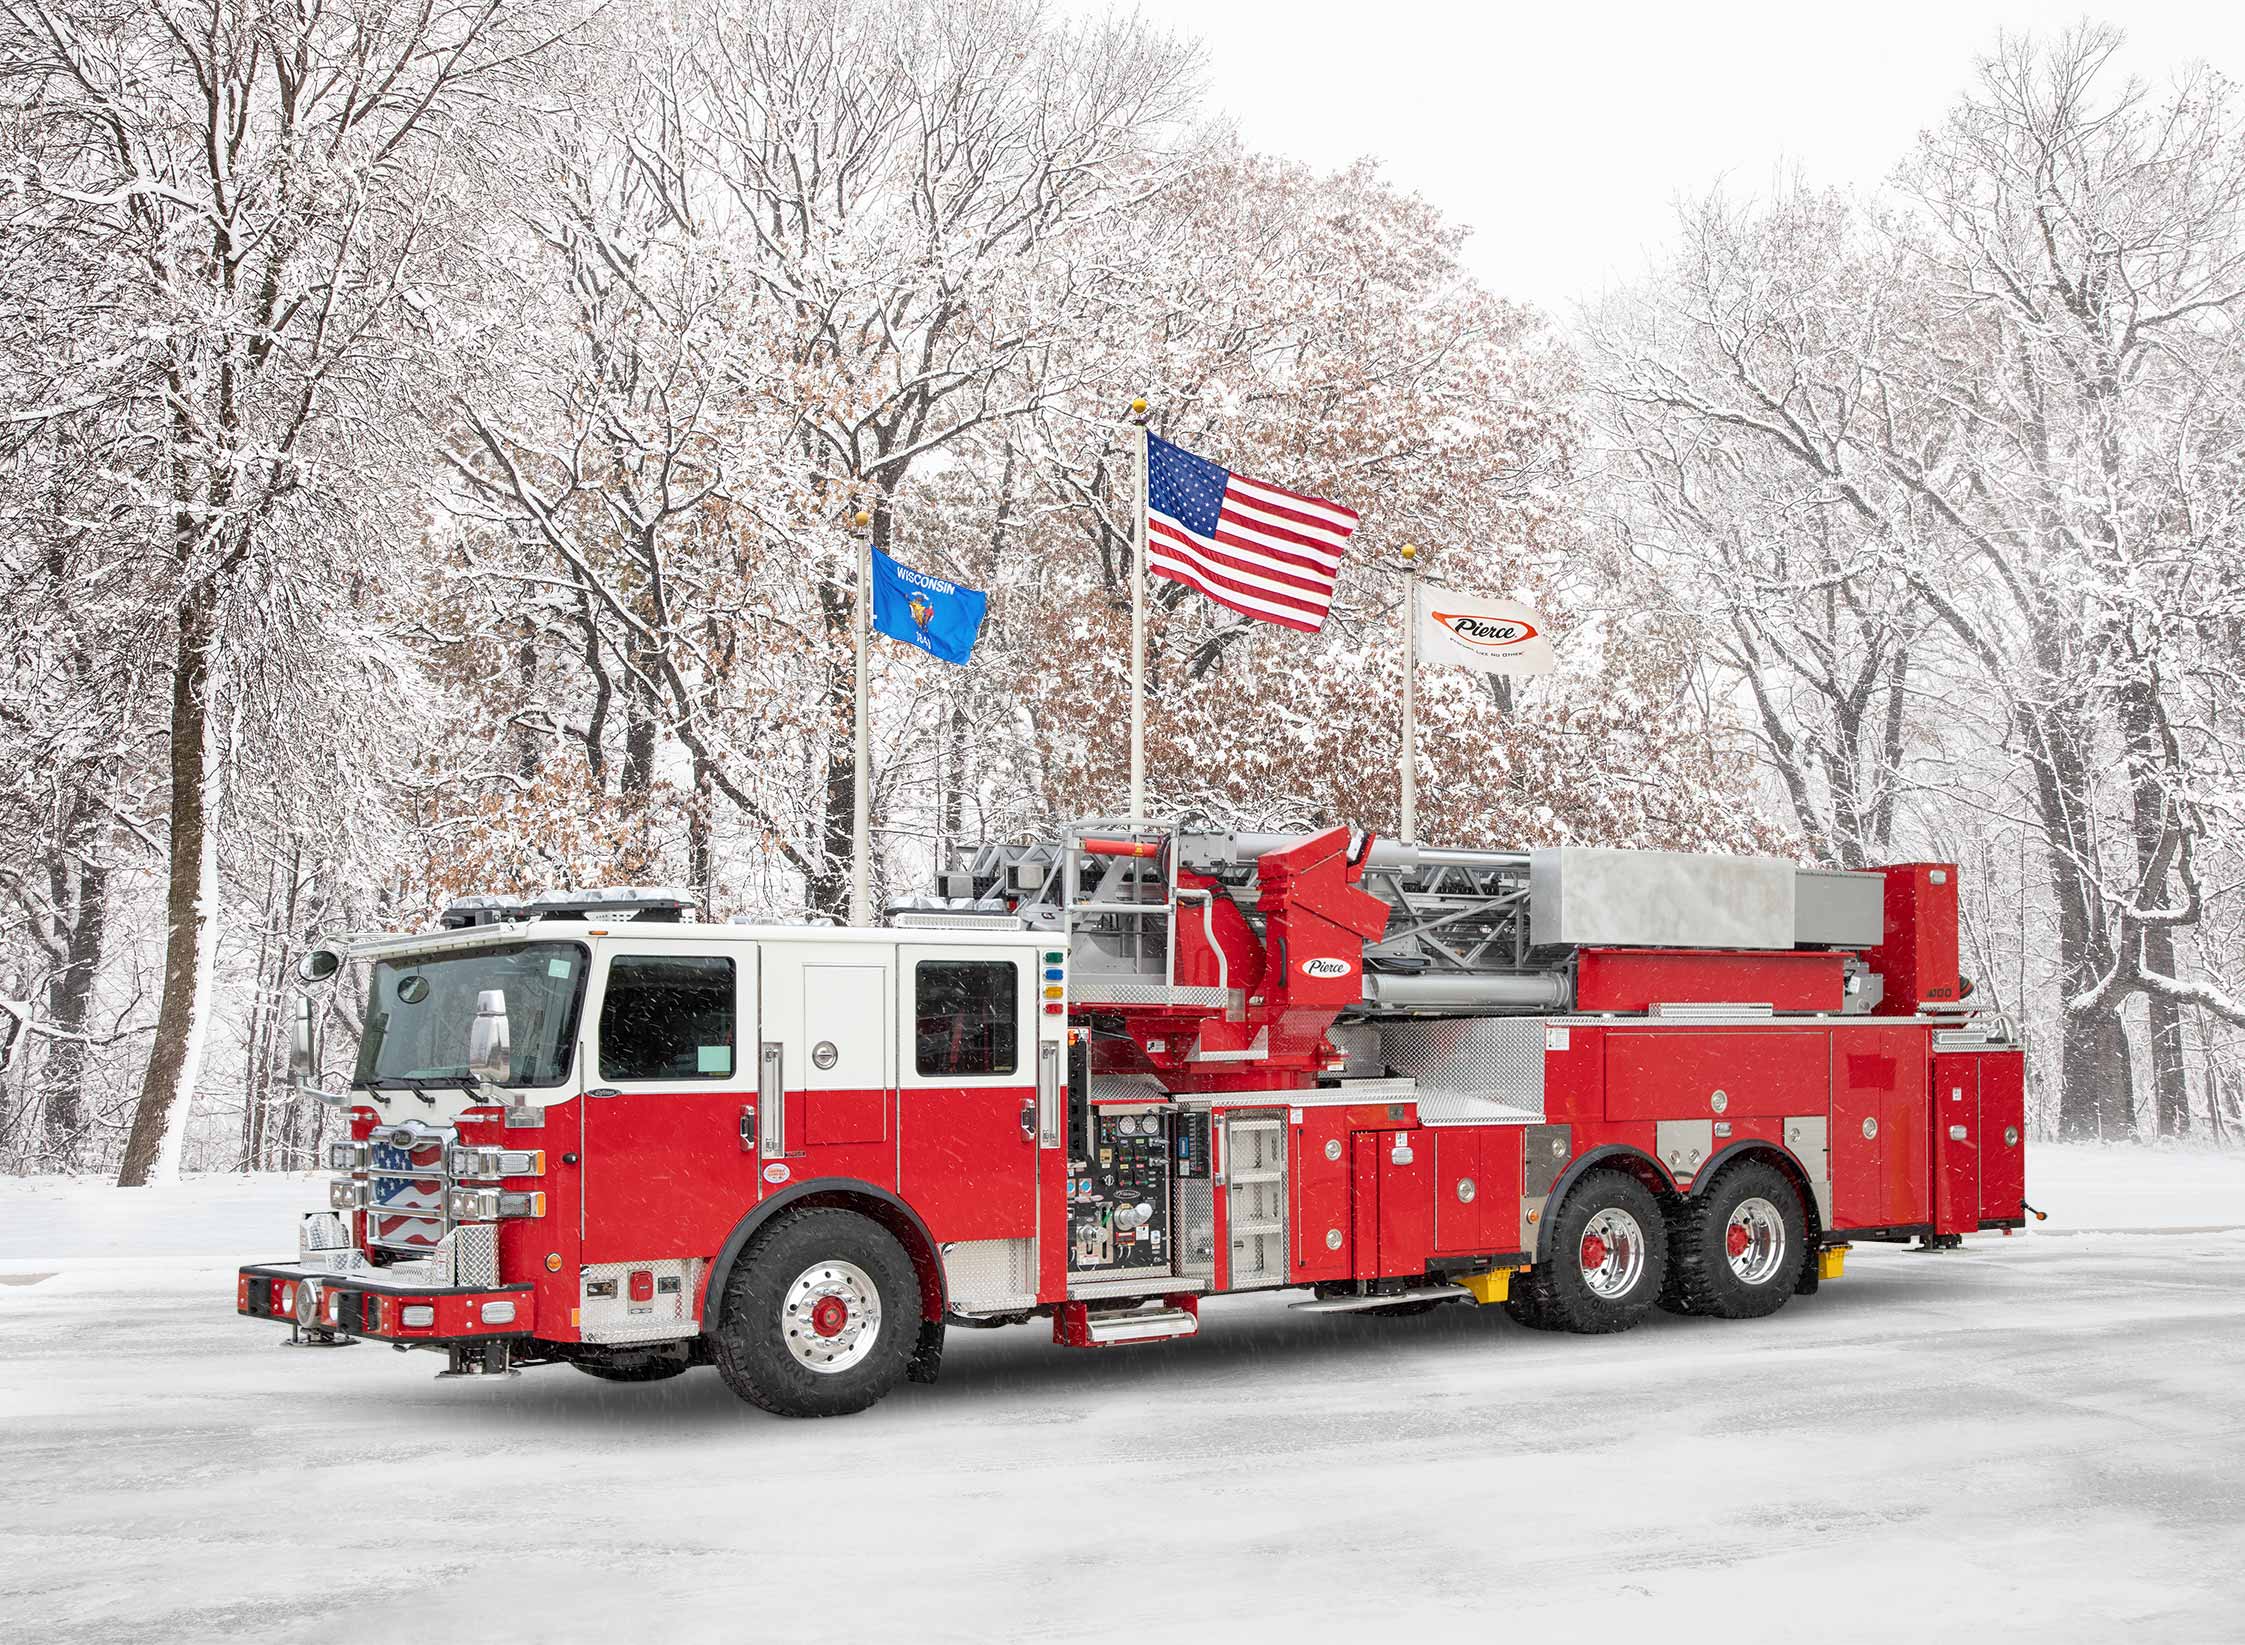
point(1606, 1262)
point(820, 1316)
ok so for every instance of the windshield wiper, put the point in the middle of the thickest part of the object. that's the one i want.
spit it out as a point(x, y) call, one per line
point(419, 1085)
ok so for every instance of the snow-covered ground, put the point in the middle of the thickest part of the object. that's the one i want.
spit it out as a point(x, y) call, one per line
point(2041, 1437)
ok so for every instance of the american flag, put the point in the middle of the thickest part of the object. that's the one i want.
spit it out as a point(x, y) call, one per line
point(1260, 549)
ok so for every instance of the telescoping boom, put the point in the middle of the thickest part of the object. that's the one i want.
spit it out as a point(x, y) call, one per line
point(1101, 1078)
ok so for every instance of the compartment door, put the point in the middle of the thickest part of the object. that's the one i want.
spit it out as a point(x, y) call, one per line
point(1869, 1067)
point(2003, 1136)
point(1956, 1142)
point(1320, 1182)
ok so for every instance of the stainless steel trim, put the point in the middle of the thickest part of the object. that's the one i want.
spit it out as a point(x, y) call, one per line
point(1048, 1094)
point(771, 1103)
point(1356, 1305)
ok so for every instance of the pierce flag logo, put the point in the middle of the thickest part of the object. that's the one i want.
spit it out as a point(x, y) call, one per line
point(1485, 633)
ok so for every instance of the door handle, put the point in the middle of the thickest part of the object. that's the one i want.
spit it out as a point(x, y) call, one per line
point(748, 1128)
point(1029, 1121)
point(770, 1072)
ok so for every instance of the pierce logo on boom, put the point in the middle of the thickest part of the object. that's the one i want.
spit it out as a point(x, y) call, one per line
point(1322, 967)
point(1485, 633)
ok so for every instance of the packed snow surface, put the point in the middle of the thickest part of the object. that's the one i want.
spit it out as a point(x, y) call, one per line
point(2039, 1437)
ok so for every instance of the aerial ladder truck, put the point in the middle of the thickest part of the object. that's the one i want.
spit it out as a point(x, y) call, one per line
point(1099, 1079)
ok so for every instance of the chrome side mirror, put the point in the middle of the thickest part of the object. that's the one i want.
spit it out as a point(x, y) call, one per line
point(304, 1043)
point(318, 965)
point(490, 1041)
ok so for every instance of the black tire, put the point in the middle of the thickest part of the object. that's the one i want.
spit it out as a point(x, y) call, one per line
point(638, 1368)
point(1520, 1303)
point(751, 1342)
point(1559, 1294)
point(1702, 1277)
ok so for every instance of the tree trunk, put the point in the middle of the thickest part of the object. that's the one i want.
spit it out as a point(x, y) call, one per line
point(2169, 1080)
point(70, 1006)
point(701, 844)
point(159, 1127)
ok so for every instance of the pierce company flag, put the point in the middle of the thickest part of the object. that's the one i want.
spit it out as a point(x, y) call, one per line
point(941, 617)
point(1491, 636)
point(1260, 549)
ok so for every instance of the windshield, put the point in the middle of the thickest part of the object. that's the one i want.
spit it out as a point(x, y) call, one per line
point(420, 1008)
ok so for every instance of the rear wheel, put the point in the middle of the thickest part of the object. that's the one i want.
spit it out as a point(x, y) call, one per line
point(820, 1316)
point(1608, 1259)
point(1739, 1246)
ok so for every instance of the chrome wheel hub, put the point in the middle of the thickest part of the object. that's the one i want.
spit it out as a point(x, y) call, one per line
point(1612, 1253)
point(831, 1316)
point(1755, 1241)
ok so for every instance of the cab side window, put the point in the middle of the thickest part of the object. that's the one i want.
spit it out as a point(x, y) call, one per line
point(967, 1017)
point(667, 1017)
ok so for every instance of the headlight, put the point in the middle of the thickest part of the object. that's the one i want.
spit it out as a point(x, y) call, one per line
point(346, 1194)
point(468, 1161)
point(346, 1156)
point(416, 1315)
point(488, 1204)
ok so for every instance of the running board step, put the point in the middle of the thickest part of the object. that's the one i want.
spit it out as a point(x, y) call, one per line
point(1075, 1326)
point(1354, 1305)
point(1145, 1327)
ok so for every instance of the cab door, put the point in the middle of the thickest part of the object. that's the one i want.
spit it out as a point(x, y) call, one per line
point(669, 1150)
point(967, 1109)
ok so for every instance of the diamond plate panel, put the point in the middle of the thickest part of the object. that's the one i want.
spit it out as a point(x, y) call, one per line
point(1470, 1070)
point(474, 1253)
point(1196, 1228)
point(1093, 989)
point(984, 1275)
point(667, 1315)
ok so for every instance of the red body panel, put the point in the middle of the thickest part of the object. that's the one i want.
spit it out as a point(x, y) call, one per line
point(1674, 1073)
point(663, 1172)
point(1502, 1148)
point(1406, 1200)
point(1872, 1069)
point(1918, 959)
point(526, 1242)
point(1637, 979)
point(1457, 1187)
point(1364, 1200)
point(2003, 1136)
point(1319, 1190)
point(967, 1164)
point(1956, 1142)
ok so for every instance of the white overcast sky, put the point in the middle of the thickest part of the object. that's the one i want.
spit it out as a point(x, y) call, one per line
point(1562, 134)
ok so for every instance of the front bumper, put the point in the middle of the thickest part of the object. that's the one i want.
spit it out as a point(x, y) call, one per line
point(364, 1304)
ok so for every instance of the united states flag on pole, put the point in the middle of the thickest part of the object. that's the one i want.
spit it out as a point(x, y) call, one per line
point(1260, 549)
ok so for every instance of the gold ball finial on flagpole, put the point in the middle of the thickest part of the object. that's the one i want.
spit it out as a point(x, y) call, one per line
point(1138, 408)
point(1409, 551)
point(861, 519)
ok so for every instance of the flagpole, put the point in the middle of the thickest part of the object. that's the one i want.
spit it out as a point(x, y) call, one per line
point(861, 793)
point(1138, 629)
point(1410, 760)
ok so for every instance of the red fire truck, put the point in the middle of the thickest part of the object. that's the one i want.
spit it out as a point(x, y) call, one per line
point(1104, 1077)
